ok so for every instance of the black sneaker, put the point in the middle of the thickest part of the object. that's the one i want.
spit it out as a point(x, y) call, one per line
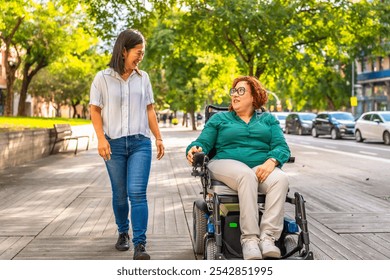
point(123, 242)
point(140, 253)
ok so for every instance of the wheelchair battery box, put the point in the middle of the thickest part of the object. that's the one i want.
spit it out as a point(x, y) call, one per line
point(231, 235)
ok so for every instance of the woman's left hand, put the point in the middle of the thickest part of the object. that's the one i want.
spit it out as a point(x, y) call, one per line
point(160, 149)
point(264, 170)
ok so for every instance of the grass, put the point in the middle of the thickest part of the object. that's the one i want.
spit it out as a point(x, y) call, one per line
point(23, 123)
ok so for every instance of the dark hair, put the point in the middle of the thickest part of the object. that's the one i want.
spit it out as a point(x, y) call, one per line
point(127, 40)
point(258, 91)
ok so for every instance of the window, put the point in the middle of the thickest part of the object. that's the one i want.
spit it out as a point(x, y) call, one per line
point(373, 65)
point(375, 117)
point(363, 64)
point(323, 116)
point(367, 117)
point(381, 63)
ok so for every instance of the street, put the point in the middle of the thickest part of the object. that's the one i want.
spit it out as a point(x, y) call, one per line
point(66, 198)
point(346, 188)
point(349, 145)
point(347, 192)
point(363, 166)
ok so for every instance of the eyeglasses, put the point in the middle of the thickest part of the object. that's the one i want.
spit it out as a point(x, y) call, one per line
point(240, 91)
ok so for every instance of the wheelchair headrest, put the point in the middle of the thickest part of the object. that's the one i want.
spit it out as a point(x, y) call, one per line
point(212, 109)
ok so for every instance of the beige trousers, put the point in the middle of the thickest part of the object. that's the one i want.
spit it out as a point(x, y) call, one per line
point(243, 179)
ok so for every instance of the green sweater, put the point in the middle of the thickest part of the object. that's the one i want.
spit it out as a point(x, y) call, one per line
point(252, 143)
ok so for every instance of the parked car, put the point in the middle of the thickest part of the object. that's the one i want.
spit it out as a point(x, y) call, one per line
point(281, 117)
point(299, 123)
point(335, 124)
point(373, 125)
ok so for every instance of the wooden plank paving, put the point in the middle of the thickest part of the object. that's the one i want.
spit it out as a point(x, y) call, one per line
point(60, 208)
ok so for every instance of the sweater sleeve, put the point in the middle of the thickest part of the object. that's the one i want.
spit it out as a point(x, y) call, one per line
point(279, 148)
point(208, 136)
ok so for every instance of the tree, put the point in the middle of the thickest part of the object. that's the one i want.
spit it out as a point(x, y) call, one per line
point(190, 74)
point(68, 79)
point(42, 32)
point(42, 39)
point(13, 14)
point(317, 74)
point(301, 49)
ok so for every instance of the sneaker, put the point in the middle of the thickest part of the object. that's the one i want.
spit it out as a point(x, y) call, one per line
point(140, 253)
point(250, 249)
point(268, 248)
point(123, 242)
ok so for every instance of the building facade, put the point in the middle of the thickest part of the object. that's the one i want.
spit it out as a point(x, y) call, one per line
point(373, 80)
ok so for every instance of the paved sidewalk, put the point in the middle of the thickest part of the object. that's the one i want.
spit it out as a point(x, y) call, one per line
point(59, 207)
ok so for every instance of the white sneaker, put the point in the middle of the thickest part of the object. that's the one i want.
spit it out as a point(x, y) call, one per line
point(250, 249)
point(268, 248)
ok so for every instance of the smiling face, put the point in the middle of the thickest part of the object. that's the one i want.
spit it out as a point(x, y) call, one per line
point(133, 57)
point(242, 103)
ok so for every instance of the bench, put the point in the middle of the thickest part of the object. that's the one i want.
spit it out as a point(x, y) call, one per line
point(63, 132)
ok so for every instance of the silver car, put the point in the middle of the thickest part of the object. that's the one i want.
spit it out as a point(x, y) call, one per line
point(373, 125)
point(281, 117)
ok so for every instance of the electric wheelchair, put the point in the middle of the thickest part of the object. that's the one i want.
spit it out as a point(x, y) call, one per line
point(216, 229)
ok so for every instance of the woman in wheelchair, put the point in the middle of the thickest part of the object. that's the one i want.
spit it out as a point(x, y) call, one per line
point(250, 151)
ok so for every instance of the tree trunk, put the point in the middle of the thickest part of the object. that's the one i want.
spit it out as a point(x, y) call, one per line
point(193, 120)
point(74, 111)
point(28, 74)
point(9, 99)
point(23, 96)
point(10, 69)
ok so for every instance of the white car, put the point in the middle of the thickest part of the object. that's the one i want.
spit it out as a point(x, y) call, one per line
point(373, 125)
point(281, 117)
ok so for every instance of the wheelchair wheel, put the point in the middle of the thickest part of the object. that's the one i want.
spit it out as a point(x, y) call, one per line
point(290, 243)
point(199, 228)
point(210, 249)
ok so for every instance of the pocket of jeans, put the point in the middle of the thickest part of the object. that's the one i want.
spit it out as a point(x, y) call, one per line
point(143, 138)
point(107, 137)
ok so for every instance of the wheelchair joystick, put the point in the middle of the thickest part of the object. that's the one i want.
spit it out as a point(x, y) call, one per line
point(198, 162)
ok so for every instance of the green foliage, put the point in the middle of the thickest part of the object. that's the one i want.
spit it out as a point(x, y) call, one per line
point(68, 79)
point(185, 75)
point(50, 33)
point(302, 49)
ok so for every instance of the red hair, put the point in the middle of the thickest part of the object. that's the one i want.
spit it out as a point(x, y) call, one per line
point(260, 96)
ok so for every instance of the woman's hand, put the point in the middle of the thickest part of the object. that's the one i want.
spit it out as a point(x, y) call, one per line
point(160, 148)
point(264, 170)
point(191, 152)
point(104, 148)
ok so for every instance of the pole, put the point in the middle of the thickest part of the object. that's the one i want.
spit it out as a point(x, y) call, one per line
point(353, 86)
point(278, 103)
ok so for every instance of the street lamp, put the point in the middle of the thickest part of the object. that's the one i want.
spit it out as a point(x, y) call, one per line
point(278, 104)
point(353, 99)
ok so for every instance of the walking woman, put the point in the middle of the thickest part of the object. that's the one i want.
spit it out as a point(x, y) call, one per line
point(123, 115)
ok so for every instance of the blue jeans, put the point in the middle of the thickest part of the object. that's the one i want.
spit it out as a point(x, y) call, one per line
point(129, 170)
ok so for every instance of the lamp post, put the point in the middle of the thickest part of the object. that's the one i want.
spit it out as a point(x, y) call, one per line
point(353, 99)
point(278, 103)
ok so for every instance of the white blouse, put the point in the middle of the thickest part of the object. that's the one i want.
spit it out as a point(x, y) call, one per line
point(123, 102)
